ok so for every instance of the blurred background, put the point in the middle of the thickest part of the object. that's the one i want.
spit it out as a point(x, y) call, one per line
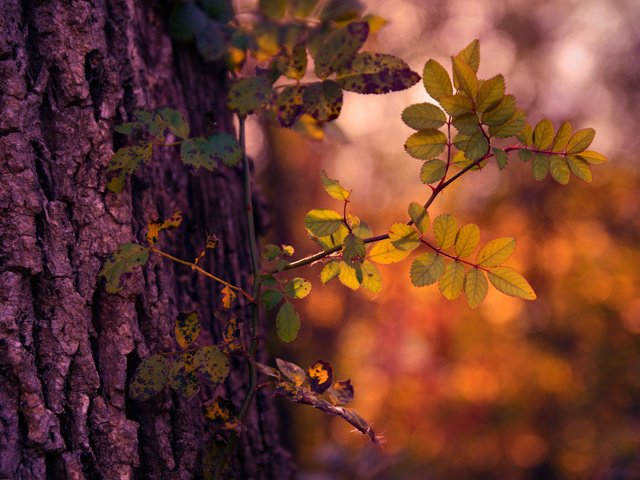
point(513, 390)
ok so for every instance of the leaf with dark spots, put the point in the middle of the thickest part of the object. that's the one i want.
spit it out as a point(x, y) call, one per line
point(340, 47)
point(376, 73)
point(323, 100)
point(150, 378)
point(289, 105)
point(320, 376)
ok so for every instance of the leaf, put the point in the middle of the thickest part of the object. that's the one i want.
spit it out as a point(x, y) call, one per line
point(421, 116)
point(341, 10)
point(445, 228)
point(348, 276)
point(490, 93)
point(543, 134)
point(126, 160)
point(353, 250)
point(292, 371)
point(333, 187)
point(289, 105)
point(456, 105)
point(221, 414)
point(427, 269)
point(341, 393)
point(477, 146)
point(231, 336)
point(323, 100)
point(376, 73)
point(540, 166)
point(404, 237)
point(467, 240)
point(287, 323)
point(436, 80)
point(212, 363)
point(154, 229)
point(559, 169)
point(208, 152)
point(175, 122)
point(512, 127)
point(591, 157)
point(496, 252)
point(320, 376)
point(384, 252)
point(465, 77)
point(433, 171)
point(563, 135)
point(322, 222)
point(467, 123)
point(340, 47)
point(183, 377)
point(297, 288)
point(308, 127)
point(579, 168)
point(336, 239)
point(271, 298)
point(273, 9)
point(452, 281)
point(250, 94)
point(150, 378)
point(581, 140)
point(187, 329)
point(471, 55)
point(329, 272)
point(371, 277)
point(511, 283)
point(502, 113)
point(124, 260)
point(426, 144)
point(501, 158)
point(228, 296)
point(419, 217)
point(288, 250)
point(297, 65)
point(475, 287)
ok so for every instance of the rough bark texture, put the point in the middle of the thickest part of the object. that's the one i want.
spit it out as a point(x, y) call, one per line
point(69, 70)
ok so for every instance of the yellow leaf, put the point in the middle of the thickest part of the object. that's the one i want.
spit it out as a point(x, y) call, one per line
point(348, 276)
point(154, 228)
point(475, 287)
point(385, 253)
point(496, 252)
point(452, 282)
point(467, 240)
point(228, 296)
point(444, 229)
point(510, 282)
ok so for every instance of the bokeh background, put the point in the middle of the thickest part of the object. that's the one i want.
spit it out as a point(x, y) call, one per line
point(513, 390)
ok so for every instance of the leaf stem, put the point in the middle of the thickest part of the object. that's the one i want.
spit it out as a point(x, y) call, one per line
point(452, 257)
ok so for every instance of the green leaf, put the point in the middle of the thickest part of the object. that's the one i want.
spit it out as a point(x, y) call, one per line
point(510, 282)
point(126, 160)
point(320, 376)
point(404, 237)
point(419, 217)
point(348, 276)
point(124, 260)
point(371, 277)
point(525, 155)
point(323, 100)
point(292, 371)
point(496, 252)
point(543, 134)
point(273, 9)
point(250, 94)
point(475, 287)
point(340, 47)
point(426, 144)
point(466, 78)
point(150, 378)
point(297, 64)
point(445, 228)
point(271, 298)
point(183, 377)
point(297, 288)
point(502, 113)
point(467, 123)
point(287, 323)
point(477, 146)
point(512, 127)
point(322, 222)
point(376, 73)
point(490, 93)
point(436, 80)
point(591, 157)
point(563, 135)
point(526, 135)
point(208, 152)
point(187, 328)
point(361, 230)
point(471, 55)
point(501, 158)
point(423, 116)
point(559, 169)
point(384, 252)
point(333, 187)
point(329, 272)
point(579, 168)
point(175, 122)
point(452, 281)
point(432, 171)
point(467, 240)
point(353, 250)
point(302, 8)
point(540, 166)
point(456, 105)
point(336, 239)
point(427, 269)
point(212, 363)
point(186, 20)
point(341, 10)
point(581, 140)
point(341, 393)
point(289, 105)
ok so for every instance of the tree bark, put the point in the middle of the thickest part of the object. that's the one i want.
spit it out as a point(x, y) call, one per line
point(69, 70)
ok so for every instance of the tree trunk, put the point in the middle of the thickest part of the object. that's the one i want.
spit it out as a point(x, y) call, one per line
point(69, 70)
